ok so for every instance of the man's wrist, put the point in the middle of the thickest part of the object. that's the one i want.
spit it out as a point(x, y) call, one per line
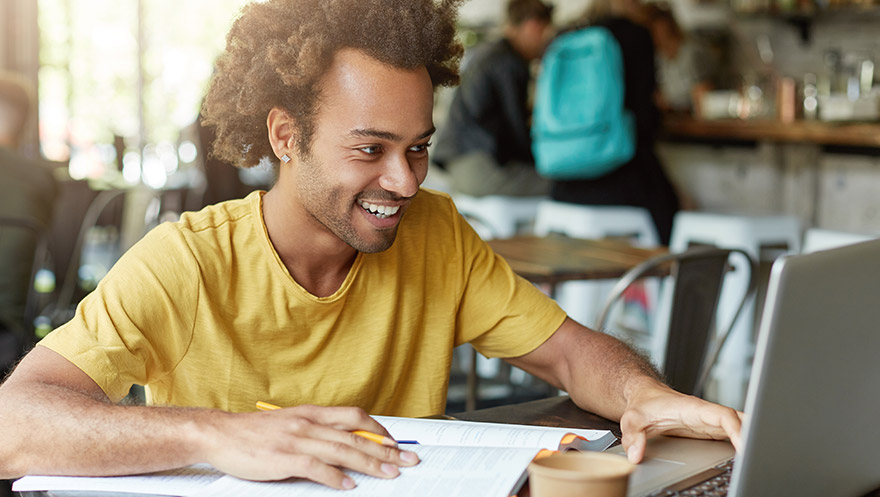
point(203, 431)
point(640, 385)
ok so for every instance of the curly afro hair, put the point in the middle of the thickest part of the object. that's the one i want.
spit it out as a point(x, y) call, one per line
point(277, 51)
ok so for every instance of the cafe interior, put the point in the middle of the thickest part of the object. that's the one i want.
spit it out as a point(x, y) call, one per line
point(770, 134)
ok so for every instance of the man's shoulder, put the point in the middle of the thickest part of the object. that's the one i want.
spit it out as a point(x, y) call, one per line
point(221, 216)
point(627, 32)
point(493, 55)
point(207, 231)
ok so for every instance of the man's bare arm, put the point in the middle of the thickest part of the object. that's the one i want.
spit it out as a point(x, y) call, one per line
point(57, 420)
point(606, 377)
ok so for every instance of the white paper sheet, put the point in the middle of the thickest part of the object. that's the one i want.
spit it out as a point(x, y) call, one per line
point(471, 433)
point(181, 481)
point(444, 471)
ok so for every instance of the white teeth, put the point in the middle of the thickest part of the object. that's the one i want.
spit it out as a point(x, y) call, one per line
point(380, 211)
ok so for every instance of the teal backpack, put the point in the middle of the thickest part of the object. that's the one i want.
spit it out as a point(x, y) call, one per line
point(580, 128)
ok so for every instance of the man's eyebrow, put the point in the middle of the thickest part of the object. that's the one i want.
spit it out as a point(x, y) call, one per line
point(386, 135)
point(427, 133)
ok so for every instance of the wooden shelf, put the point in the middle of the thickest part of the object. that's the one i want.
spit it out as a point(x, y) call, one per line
point(819, 133)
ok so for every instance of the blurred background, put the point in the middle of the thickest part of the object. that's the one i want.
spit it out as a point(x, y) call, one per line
point(770, 107)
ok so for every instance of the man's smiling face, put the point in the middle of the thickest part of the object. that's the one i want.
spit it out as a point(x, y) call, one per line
point(369, 151)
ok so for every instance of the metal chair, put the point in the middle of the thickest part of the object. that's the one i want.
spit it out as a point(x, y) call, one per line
point(698, 276)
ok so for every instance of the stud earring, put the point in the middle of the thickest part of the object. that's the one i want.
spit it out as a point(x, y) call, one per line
point(285, 158)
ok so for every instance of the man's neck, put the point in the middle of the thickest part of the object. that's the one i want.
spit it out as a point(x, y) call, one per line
point(511, 36)
point(317, 259)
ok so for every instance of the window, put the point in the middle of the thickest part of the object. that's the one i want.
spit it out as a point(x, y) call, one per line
point(120, 79)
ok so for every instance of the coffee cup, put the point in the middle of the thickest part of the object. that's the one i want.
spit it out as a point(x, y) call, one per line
point(579, 474)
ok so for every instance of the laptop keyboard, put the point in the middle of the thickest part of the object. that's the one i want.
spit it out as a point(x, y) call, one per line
point(710, 483)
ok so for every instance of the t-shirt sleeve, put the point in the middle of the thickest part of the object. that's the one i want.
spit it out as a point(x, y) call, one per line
point(500, 313)
point(135, 327)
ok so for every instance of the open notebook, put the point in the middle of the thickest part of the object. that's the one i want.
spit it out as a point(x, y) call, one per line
point(460, 458)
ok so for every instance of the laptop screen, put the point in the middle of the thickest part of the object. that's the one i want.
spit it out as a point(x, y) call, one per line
point(813, 405)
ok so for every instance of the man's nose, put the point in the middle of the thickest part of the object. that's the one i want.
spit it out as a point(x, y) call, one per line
point(399, 177)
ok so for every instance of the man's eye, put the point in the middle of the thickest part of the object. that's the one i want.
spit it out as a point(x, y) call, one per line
point(371, 150)
point(420, 148)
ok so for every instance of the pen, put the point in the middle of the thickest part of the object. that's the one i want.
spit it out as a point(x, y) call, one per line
point(373, 437)
point(265, 406)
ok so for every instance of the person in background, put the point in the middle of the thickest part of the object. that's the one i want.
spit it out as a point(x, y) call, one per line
point(683, 69)
point(641, 182)
point(27, 192)
point(485, 145)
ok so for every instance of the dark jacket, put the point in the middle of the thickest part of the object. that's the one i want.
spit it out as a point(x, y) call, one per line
point(489, 111)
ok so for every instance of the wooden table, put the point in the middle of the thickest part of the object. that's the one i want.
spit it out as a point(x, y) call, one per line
point(554, 411)
point(555, 259)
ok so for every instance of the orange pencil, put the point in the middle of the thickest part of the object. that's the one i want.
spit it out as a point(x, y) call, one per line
point(373, 437)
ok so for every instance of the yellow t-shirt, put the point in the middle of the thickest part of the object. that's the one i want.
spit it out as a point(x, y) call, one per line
point(204, 313)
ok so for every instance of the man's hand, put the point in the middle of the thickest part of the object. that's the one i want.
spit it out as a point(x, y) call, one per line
point(305, 441)
point(656, 409)
point(607, 378)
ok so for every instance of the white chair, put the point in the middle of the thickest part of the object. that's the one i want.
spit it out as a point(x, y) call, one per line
point(816, 239)
point(495, 216)
point(753, 234)
point(498, 216)
point(596, 221)
point(582, 300)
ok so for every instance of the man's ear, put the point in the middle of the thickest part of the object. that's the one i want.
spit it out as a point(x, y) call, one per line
point(281, 132)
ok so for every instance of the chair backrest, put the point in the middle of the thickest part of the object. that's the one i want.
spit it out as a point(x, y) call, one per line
point(691, 349)
point(27, 255)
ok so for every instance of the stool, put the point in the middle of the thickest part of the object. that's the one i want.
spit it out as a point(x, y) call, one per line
point(751, 233)
point(580, 299)
point(816, 239)
point(497, 216)
point(596, 221)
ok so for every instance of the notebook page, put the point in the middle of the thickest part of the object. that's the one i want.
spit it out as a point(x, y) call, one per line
point(472, 433)
point(444, 471)
point(181, 481)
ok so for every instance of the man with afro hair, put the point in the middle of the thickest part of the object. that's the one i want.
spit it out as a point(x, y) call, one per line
point(339, 293)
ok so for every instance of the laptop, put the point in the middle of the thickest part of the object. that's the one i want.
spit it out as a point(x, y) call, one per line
point(812, 425)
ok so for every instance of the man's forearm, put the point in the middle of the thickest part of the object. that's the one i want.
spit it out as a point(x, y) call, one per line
point(604, 374)
point(77, 431)
point(49, 429)
point(600, 372)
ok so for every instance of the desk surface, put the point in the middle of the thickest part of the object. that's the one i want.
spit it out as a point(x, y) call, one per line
point(556, 258)
point(554, 411)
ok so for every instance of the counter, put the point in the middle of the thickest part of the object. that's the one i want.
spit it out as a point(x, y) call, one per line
point(814, 132)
